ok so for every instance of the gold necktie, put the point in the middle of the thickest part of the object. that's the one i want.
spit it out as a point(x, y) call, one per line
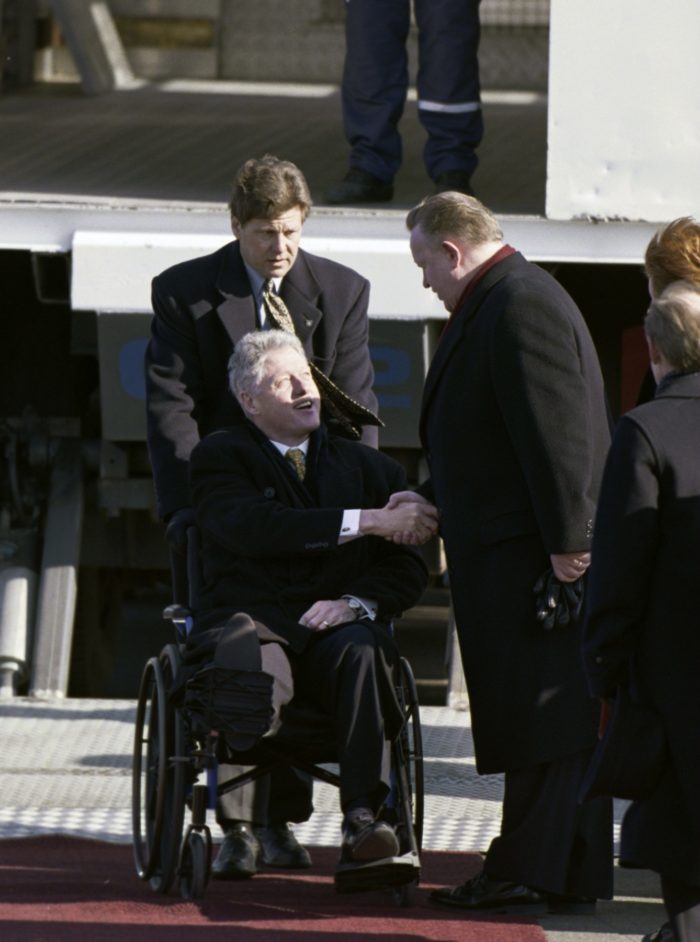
point(348, 413)
point(297, 458)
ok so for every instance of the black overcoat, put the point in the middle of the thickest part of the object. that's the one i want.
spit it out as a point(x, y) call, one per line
point(643, 609)
point(201, 308)
point(270, 542)
point(515, 429)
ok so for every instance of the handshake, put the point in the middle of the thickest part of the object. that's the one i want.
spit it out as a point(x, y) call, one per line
point(407, 518)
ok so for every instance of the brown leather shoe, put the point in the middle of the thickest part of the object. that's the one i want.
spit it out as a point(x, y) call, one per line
point(482, 894)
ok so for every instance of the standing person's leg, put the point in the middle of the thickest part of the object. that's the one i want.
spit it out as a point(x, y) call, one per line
point(682, 902)
point(449, 94)
point(375, 81)
point(552, 853)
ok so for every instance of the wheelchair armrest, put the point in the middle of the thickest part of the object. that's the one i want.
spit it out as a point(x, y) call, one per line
point(176, 612)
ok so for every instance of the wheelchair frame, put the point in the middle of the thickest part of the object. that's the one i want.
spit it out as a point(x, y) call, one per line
point(168, 760)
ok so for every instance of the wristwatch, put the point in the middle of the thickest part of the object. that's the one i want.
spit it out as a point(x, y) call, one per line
point(356, 607)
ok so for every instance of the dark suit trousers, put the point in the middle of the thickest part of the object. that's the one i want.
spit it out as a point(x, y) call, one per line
point(682, 902)
point(549, 841)
point(346, 674)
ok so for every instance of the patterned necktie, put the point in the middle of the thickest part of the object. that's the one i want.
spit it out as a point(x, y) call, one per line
point(348, 413)
point(297, 458)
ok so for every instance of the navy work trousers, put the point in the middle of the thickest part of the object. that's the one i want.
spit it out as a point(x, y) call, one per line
point(375, 83)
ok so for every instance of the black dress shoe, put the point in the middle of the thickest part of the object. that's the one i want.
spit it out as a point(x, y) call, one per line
point(280, 848)
point(365, 838)
point(567, 904)
point(457, 180)
point(497, 896)
point(358, 186)
point(238, 855)
point(664, 933)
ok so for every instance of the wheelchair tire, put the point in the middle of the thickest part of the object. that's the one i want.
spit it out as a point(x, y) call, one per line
point(195, 862)
point(148, 770)
point(158, 774)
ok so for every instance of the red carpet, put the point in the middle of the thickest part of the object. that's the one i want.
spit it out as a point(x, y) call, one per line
point(70, 890)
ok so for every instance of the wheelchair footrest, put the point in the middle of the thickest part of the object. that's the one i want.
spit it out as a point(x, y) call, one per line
point(377, 874)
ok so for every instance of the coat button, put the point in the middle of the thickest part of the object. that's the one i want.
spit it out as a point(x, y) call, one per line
point(599, 660)
point(269, 492)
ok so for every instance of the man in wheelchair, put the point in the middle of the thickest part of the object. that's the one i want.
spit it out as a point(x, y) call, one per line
point(301, 577)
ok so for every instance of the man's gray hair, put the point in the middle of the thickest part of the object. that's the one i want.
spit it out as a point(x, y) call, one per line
point(246, 363)
point(673, 323)
point(455, 215)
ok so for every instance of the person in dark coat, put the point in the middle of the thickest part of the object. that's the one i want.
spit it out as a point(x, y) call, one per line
point(201, 308)
point(515, 431)
point(642, 626)
point(302, 550)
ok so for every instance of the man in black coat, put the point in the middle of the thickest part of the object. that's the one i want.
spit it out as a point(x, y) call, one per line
point(643, 617)
point(515, 430)
point(201, 309)
point(303, 552)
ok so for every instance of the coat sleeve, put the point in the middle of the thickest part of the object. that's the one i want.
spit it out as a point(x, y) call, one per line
point(396, 576)
point(626, 534)
point(543, 395)
point(174, 384)
point(246, 518)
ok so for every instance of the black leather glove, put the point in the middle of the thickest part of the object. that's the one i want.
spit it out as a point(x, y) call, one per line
point(176, 530)
point(557, 603)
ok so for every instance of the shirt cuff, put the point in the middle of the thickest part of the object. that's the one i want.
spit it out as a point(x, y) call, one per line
point(350, 526)
point(369, 606)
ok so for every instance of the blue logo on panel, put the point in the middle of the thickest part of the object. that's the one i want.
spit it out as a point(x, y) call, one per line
point(392, 367)
point(131, 375)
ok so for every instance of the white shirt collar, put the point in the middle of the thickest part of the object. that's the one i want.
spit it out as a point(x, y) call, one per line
point(283, 449)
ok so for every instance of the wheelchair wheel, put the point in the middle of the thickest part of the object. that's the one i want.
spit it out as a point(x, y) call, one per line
point(158, 774)
point(195, 863)
point(409, 765)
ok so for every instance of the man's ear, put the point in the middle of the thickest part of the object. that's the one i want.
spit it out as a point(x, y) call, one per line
point(235, 227)
point(453, 251)
point(247, 403)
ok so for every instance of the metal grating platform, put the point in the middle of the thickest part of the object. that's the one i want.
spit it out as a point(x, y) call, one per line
point(183, 140)
point(65, 769)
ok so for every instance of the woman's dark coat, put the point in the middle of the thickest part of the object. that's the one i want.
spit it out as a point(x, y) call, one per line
point(643, 615)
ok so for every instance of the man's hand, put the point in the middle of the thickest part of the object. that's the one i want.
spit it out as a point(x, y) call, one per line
point(326, 613)
point(407, 518)
point(568, 567)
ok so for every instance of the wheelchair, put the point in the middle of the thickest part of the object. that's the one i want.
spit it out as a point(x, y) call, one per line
point(170, 757)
